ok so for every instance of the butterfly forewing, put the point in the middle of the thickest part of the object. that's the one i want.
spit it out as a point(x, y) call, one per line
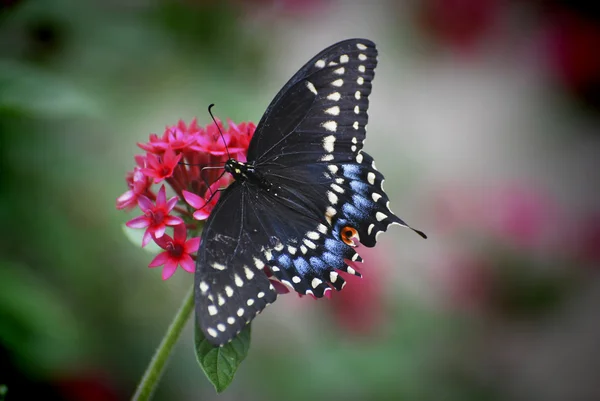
point(327, 98)
point(230, 285)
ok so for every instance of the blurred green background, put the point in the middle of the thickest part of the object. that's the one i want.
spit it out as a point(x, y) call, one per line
point(484, 119)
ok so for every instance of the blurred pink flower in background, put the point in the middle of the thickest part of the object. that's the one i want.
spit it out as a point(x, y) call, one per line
point(461, 25)
point(571, 39)
point(515, 213)
point(510, 248)
point(88, 385)
point(359, 308)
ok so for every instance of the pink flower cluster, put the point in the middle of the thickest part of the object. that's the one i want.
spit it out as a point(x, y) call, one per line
point(178, 158)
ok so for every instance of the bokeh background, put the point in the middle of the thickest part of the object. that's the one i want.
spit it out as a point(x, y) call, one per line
point(484, 119)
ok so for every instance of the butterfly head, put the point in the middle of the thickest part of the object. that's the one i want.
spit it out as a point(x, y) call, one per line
point(245, 172)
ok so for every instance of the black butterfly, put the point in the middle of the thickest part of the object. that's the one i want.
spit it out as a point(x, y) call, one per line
point(305, 193)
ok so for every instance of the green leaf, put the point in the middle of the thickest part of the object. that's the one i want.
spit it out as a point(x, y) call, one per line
point(220, 363)
point(3, 391)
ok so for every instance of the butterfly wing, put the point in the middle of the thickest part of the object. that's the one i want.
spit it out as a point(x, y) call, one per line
point(309, 145)
point(323, 192)
point(327, 96)
point(230, 285)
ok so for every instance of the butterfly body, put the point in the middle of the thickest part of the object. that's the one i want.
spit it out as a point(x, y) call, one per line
point(307, 192)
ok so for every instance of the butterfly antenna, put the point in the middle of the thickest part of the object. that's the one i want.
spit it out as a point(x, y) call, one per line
point(219, 128)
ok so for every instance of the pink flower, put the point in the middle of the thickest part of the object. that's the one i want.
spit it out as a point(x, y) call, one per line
point(161, 167)
point(570, 41)
point(461, 24)
point(177, 252)
point(204, 206)
point(139, 184)
point(179, 157)
point(157, 217)
point(212, 142)
point(178, 137)
point(514, 213)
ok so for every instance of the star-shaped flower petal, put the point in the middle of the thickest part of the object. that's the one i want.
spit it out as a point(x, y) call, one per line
point(177, 252)
point(156, 217)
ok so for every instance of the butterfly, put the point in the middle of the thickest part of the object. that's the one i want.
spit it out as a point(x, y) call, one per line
point(305, 194)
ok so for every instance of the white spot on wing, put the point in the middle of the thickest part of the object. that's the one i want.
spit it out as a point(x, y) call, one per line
point(380, 216)
point(333, 168)
point(221, 327)
point(362, 57)
point(371, 178)
point(296, 279)
point(258, 263)
point(357, 95)
point(231, 320)
point(333, 199)
point(327, 158)
point(328, 143)
point(218, 266)
point(249, 273)
point(212, 310)
point(375, 196)
point(238, 280)
point(212, 332)
point(361, 68)
point(344, 58)
point(320, 63)
point(240, 312)
point(330, 125)
point(292, 250)
point(203, 286)
point(339, 71)
point(334, 111)
point(315, 282)
point(360, 80)
point(355, 125)
point(337, 188)
point(359, 158)
point(312, 235)
point(260, 294)
point(356, 109)
point(371, 226)
point(250, 302)
point(360, 46)
point(338, 82)
point(333, 276)
point(335, 96)
point(311, 87)
point(329, 213)
point(322, 228)
point(309, 244)
point(229, 291)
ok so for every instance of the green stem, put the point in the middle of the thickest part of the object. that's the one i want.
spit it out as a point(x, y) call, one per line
point(159, 360)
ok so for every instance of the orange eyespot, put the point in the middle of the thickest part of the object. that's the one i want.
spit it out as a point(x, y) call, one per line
point(347, 233)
